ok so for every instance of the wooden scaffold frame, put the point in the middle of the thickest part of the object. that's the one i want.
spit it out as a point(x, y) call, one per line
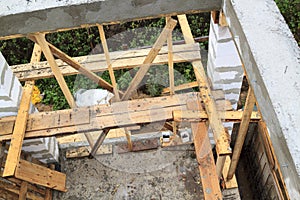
point(199, 108)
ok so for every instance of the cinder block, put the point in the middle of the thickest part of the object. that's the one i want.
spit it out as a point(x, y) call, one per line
point(224, 67)
point(45, 149)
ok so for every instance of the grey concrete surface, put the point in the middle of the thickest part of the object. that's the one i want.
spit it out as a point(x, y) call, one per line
point(23, 17)
point(150, 175)
point(272, 60)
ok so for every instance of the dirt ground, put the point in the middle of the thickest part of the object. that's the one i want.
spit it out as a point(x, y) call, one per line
point(159, 174)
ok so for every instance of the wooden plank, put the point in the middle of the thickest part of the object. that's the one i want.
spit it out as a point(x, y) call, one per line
point(39, 175)
point(207, 167)
point(181, 87)
point(204, 155)
point(274, 165)
point(40, 38)
point(149, 58)
point(229, 116)
point(23, 190)
point(232, 183)
point(170, 61)
point(16, 190)
point(97, 63)
point(14, 150)
point(249, 105)
point(108, 61)
point(221, 137)
point(105, 116)
point(49, 120)
point(138, 146)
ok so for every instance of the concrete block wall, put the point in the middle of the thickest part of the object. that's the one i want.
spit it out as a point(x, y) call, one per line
point(224, 67)
point(44, 149)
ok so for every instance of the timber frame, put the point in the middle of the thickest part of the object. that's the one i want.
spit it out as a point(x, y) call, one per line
point(199, 108)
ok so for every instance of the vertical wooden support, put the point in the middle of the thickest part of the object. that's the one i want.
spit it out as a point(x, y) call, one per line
point(23, 190)
point(250, 101)
point(40, 38)
point(112, 77)
point(98, 143)
point(149, 58)
point(108, 61)
point(15, 147)
point(128, 137)
point(170, 61)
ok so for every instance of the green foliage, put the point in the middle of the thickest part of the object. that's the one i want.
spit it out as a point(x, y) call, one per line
point(122, 36)
point(290, 10)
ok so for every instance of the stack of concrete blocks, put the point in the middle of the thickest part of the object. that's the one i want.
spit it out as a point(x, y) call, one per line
point(224, 67)
point(44, 149)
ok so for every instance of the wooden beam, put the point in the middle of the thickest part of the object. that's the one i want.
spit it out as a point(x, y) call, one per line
point(221, 137)
point(170, 61)
point(150, 57)
point(23, 190)
point(181, 87)
point(96, 63)
point(40, 38)
point(76, 65)
point(99, 141)
point(108, 61)
point(39, 175)
point(250, 101)
point(208, 172)
point(16, 190)
point(15, 147)
point(229, 116)
point(30, 186)
point(209, 178)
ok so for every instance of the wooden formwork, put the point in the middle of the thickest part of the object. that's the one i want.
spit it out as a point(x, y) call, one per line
point(199, 108)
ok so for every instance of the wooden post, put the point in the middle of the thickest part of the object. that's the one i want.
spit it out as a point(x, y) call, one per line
point(40, 38)
point(48, 194)
point(98, 142)
point(150, 57)
point(250, 101)
point(15, 146)
point(23, 190)
point(14, 151)
point(170, 61)
point(108, 61)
